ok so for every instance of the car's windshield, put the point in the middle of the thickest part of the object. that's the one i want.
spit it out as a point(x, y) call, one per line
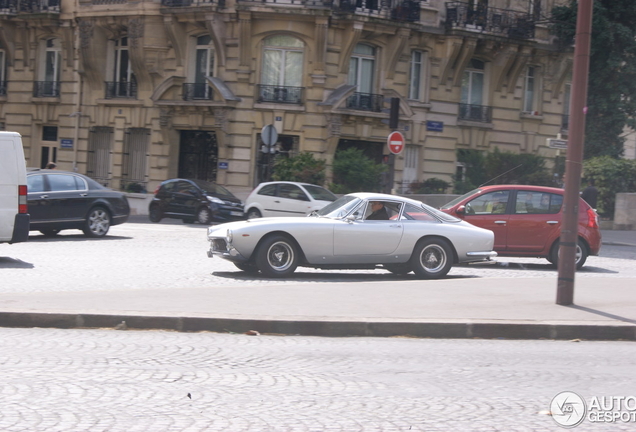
point(320, 193)
point(340, 207)
point(212, 188)
point(458, 199)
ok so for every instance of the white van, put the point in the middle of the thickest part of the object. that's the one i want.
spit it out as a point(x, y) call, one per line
point(14, 216)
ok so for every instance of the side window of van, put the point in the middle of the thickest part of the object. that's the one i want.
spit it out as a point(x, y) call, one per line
point(35, 183)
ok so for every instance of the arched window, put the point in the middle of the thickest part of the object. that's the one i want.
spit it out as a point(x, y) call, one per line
point(472, 96)
point(124, 81)
point(361, 75)
point(281, 76)
point(203, 67)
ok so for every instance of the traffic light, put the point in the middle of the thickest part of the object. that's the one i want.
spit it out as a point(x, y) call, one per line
point(395, 113)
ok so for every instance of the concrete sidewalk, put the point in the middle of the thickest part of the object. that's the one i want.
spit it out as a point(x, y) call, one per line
point(457, 307)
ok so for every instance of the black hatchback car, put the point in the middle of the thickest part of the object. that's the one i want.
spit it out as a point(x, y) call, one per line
point(59, 200)
point(194, 200)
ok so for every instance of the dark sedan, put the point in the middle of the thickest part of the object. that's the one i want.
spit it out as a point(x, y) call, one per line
point(60, 200)
point(194, 200)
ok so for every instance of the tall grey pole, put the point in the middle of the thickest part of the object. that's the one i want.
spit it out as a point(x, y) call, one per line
point(574, 157)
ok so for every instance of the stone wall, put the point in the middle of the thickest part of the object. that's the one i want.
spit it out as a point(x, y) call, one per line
point(625, 211)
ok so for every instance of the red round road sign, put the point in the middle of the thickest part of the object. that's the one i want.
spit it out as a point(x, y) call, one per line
point(395, 141)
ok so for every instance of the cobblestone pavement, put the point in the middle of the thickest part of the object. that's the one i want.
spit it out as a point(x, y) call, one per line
point(109, 380)
point(169, 255)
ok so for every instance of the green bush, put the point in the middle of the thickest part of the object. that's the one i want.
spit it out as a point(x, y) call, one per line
point(355, 172)
point(301, 168)
point(429, 186)
point(611, 176)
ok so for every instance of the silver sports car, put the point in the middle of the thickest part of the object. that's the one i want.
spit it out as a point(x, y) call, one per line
point(357, 231)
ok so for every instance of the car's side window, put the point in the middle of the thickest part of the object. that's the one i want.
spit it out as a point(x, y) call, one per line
point(412, 212)
point(35, 183)
point(80, 183)
point(490, 203)
point(382, 210)
point(184, 188)
point(61, 182)
point(538, 202)
point(291, 191)
point(269, 190)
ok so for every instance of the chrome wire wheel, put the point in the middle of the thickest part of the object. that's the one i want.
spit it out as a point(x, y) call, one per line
point(97, 223)
point(277, 256)
point(280, 256)
point(432, 258)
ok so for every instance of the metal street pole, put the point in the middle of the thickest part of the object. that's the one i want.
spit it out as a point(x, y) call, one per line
point(574, 157)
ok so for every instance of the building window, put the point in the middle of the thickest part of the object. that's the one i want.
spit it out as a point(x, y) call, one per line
point(48, 83)
point(49, 146)
point(124, 83)
point(3, 74)
point(417, 68)
point(133, 176)
point(203, 67)
point(361, 75)
point(99, 149)
point(565, 122)
point(410, 173)
point(472, 94)
point(281, 77)
point(529, 91)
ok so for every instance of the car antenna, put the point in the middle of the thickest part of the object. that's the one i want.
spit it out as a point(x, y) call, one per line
point(495, 178)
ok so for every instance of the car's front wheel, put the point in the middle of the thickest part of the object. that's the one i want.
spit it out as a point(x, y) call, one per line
point(253, 213)
point(432, 258)
point(204, 216)
point(580, 256)
point(154, 214)
point(97, 223)
point(277, 256)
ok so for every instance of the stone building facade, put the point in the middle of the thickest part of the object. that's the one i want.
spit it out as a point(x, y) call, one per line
point(135, 92)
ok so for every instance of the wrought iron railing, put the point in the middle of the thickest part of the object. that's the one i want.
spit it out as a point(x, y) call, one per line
point(408, 10)
point(477, 113)
point(197, 91)
point(504, 22)
point(121, 89)
point(280, 94)
point(46, 89)
point(365, 102)
point(189, 3)
point(29, 6)
point(304, 3)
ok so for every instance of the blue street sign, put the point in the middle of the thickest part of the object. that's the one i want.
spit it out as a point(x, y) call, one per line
point(66, 143)
point(223, 165)
point(434, 126)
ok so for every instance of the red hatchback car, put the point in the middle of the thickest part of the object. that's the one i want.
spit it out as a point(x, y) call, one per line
point(526, 220)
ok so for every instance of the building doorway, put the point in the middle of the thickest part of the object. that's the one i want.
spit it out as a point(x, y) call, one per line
point(198, 155)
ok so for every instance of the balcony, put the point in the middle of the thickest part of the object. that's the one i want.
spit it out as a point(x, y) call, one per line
point(197, 91)
point(29, 6)
point(405, 10)
point(365, 102)
point(500, 22)
point(475, 113)
point(43, 89)
point(121, 89)
point(193, 3)
point(280, 94)
point(313, 4)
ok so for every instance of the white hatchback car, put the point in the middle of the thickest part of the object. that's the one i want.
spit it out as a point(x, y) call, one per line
point(284, 198)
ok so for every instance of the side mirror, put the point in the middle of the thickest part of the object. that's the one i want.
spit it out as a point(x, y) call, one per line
point(461, 211)
point(350, 218)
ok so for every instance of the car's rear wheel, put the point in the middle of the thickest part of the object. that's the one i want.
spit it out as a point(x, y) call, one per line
point(580, 256)
point(97, 223)
point(154, 214)
point(247, 268)
point(253, 213)
point(204, 216)
point(50, 232)
point(432, 258)
point(277, 256)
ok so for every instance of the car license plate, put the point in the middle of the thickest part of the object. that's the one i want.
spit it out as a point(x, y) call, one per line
point(234, 213)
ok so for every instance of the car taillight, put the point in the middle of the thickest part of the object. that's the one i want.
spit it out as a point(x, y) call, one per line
point(592, 218)
point(157, 190)
point(22, 199)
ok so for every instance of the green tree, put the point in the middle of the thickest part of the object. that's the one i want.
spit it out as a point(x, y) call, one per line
point(300, 168)
point(611, 176)
point(355, 172)
point(612, 76)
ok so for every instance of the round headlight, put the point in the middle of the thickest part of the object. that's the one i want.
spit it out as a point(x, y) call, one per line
point(229, 236)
